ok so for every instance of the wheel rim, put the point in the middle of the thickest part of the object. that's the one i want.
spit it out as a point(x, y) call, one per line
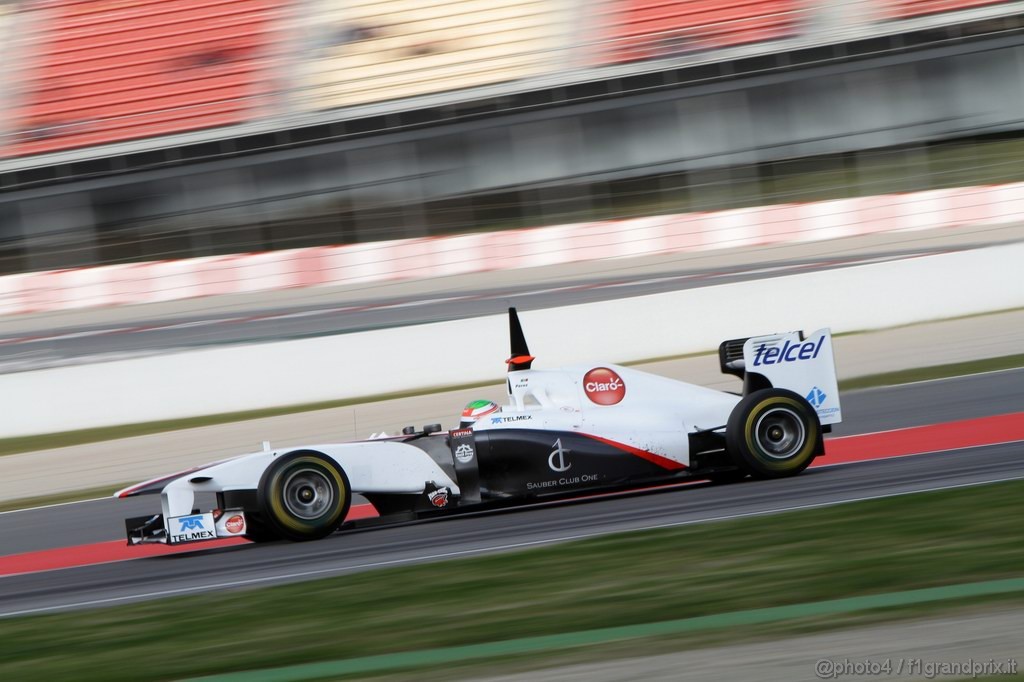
point(780, 433)
point(308, 494)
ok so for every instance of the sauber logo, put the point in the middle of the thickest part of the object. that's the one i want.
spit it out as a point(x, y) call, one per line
point(556, 460)
point(603, 386)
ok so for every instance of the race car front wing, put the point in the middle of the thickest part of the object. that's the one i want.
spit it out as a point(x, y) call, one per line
point(177, 530)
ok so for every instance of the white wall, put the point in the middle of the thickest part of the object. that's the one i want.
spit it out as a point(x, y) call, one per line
point(249, 377)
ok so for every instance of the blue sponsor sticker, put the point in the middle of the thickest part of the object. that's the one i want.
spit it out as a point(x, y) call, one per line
point(190, 523)
point(816, 397)
point(191, 528)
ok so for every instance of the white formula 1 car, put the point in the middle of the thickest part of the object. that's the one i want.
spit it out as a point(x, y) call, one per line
point(563, 431)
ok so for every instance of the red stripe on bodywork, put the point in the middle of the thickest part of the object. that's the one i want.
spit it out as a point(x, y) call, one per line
point(663, 462)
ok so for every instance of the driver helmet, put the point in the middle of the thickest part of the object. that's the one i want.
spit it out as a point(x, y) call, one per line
point(475, 410)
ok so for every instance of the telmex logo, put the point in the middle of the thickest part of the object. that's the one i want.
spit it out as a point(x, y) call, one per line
point(790, 352)
point(603, 386)
point(509, 420)
point(190, 523)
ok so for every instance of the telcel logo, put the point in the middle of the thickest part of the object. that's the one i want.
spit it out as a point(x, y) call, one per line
point(603, 386)
point(190, 523)
point(790, 352)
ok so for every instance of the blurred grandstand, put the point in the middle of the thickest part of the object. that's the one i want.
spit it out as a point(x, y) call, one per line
point(138, 130)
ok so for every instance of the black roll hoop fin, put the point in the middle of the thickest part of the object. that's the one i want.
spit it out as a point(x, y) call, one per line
point(519, 357)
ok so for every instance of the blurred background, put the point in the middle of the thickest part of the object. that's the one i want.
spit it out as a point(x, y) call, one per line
point(230, 222)
point(144, 130)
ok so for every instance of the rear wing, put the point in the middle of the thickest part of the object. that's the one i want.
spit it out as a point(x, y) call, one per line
point(801, 364)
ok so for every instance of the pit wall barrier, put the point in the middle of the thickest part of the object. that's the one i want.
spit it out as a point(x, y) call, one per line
point(248, 377)
point(359, 264)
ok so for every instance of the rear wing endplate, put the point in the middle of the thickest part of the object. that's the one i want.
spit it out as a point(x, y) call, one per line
point(804, 365)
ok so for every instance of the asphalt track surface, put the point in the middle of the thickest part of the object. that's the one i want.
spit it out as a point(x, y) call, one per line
point(84, 343)
point(247, 566)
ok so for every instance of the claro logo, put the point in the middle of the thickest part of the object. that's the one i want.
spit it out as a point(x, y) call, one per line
point(603, 386)
point(236, 524)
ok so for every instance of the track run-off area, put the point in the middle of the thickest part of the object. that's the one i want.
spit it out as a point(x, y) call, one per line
point(894, 441)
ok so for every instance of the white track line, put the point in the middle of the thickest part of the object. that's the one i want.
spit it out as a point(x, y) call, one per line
point(931, 381)
point(55, 504)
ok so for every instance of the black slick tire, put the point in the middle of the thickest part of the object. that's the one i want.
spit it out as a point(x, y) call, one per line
point(257, 530)
point(304, 495)
point(773, 433)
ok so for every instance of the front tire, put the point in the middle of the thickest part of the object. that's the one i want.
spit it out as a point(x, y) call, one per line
point(304, 496)
point(773, 433)
point(258, 531)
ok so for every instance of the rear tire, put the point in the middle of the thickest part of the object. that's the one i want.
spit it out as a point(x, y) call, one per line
point(773, 433)
point(304, 496)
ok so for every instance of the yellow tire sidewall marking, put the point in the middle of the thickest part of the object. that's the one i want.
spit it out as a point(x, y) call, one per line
point(748, 434)
point(276, 495)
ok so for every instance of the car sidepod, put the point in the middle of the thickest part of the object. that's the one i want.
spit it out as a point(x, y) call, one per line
point(526, 462)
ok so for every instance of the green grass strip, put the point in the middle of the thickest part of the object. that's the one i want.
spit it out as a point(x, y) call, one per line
point(417, 659)
point(955, 369)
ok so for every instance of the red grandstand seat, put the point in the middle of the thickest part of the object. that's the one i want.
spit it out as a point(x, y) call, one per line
point(902, 9)
point(110, 70)
point(646, 29)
